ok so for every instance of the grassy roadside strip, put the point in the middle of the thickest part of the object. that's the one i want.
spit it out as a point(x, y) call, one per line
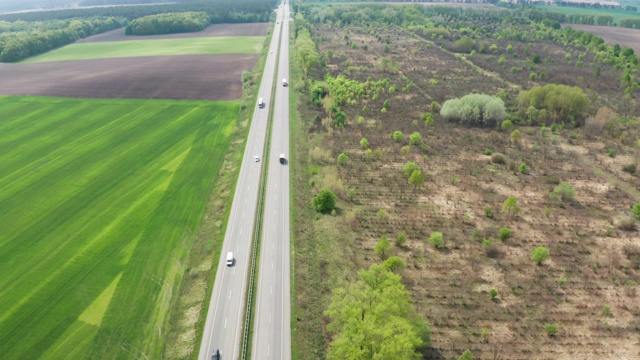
point(190, 310)
point(306, 283)
point(250, 305)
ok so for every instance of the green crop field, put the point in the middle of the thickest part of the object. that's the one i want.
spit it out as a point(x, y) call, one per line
point(160, 47)
point(616, 13)
point(99, 200)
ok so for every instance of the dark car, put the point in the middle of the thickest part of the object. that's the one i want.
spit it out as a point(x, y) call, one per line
point(216, 355)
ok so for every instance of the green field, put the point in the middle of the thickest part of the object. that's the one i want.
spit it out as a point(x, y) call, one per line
point(160, 47)
point(99, 201)
point(616, 13)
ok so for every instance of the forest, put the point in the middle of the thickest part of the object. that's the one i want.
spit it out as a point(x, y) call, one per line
point(20, 39)
point(169, 23)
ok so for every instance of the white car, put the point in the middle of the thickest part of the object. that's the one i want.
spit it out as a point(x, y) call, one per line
point(256, 158)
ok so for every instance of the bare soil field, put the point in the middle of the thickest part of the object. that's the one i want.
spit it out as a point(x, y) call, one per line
point(589, 285)
point(612, 35)
point(255, 29)
point(192, 77)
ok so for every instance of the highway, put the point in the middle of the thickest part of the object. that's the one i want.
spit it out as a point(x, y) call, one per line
point(272, 324)
point(223, 327)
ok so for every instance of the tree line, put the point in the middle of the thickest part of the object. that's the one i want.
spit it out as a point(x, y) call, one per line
point(226, 11)
point(169, 23)
point(43, 36)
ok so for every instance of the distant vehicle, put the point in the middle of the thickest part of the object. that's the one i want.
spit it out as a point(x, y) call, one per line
point(284, 82)
point(230, 259)
point(282, 159)
point(216, 355)
point(256, 158)
point(260, 103)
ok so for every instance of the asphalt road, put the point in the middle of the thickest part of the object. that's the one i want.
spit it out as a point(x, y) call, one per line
point(272, 325)
point(223, 328)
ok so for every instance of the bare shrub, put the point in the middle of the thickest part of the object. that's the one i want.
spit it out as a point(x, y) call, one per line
point(595, 124)
point(498, 158)
point(321, 155)
point(627, 224)
point(632, 252)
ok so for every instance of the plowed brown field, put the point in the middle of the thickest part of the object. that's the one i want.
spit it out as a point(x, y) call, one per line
point(256, 29)
point(193, 77)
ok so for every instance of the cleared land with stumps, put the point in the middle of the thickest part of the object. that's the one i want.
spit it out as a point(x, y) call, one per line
point(99, 203)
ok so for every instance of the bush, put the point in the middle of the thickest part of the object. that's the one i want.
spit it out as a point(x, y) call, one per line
point(342, 159)
point(409, 168)
point(325, 201)
point(493, 293)
point(415, 139)
point(437, 239)
point(397, 136)
point(563, 192)
point(478, 109)
point(636, 211)
point(504, 233)
point(631, 168)
point(364, 143)
point(488, 152)
point(551, 329)
point(488, 212)
point(561, 101)
point(401, 239)
point(507, 125)
point(383, 248)
point(498, 158)
point(394, 264)
point(523, 168)
point(540, 254)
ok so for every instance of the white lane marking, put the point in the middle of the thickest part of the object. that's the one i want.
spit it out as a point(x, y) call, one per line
point(230, 293)
point(225, 323)
point(271, 290)
point(240, 233)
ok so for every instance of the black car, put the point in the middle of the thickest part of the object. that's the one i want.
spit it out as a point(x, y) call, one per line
point(216, 355)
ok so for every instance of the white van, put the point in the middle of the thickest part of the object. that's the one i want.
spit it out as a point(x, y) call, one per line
point(260, 103)
point(284, 82)
point(230, 259)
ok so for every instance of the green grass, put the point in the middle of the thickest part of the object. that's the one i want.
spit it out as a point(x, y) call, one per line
point(99, 203)
point(161, 47)
point(616, 13)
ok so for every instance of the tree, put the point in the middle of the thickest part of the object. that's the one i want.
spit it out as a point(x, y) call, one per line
point(398, 136)
point(510, 207)
point(383, 248)
point(523, 168)
point(437, 239)
point(536, 59)
point(563, 192)
point(480, 109)
point(325, 201)
point(342, 159)
point(415, 138)
point(373, 319)
point(409, 168)
point(504, 233)
point(507, 125)
point(428, 119)
point(636, 211)
point(364, 143)
point(416, 179)
point(466, 355)
point(394, 264)
point(539, 254)
point(401, 239)
point(516, 136)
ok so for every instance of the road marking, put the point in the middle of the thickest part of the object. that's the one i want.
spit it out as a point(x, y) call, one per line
point(231, 292)
point(241, 228)
point(242, 217)
point(272, 290)
point(225, 323)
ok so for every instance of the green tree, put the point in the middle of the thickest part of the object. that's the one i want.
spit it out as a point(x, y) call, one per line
point(428, 119)
point(383, 248)
point(364, 143)
point(507, 125)
point(416, 179)
point(409, 168)
point(398, 136)
point(401, 238)
point(325, 201)
point(515, 136)
point(636, 211)
point(415, 138)
point(539, 254)
point(536, 59)
point(373, 319)
point(466, 355)
point(394, 264)
point(436, 239)
point(523, 168)
point(342, 159)
point(504, 233)
point(510, 207)
point(563, 192)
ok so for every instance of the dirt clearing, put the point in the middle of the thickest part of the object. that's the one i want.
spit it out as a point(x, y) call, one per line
point(188, 77)
point(255, 29)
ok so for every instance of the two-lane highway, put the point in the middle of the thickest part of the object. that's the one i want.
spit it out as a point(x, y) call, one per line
point(272, 329)
point(223, 328)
